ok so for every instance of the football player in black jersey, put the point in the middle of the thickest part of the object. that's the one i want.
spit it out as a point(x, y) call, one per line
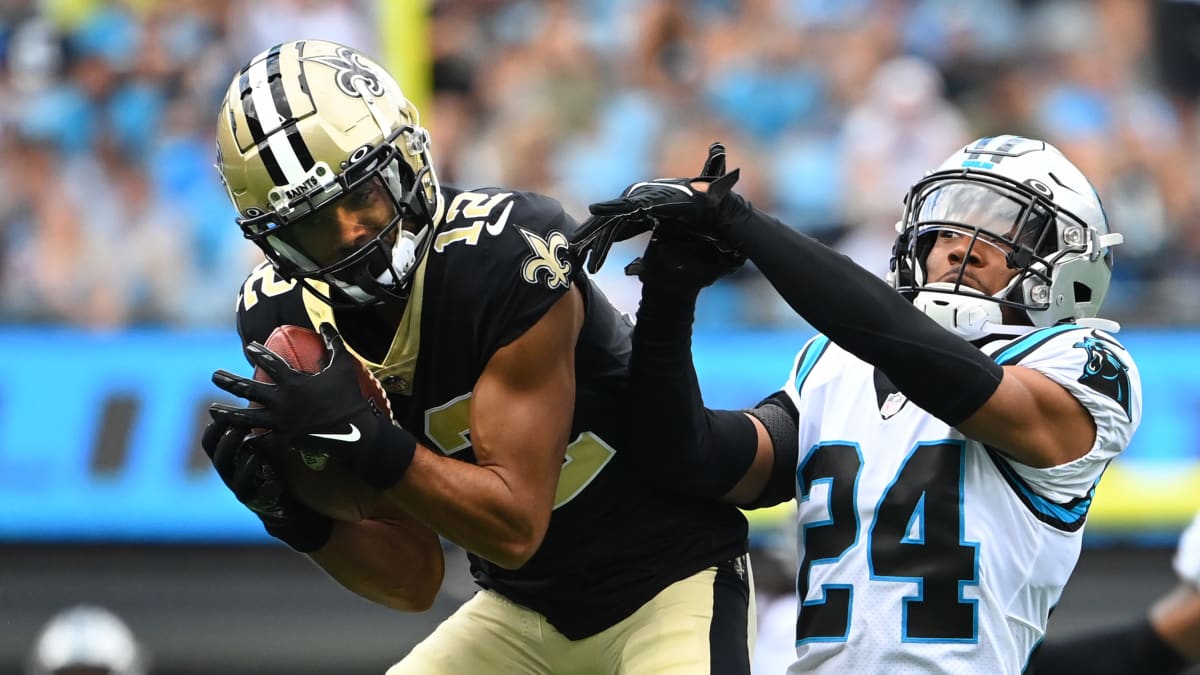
point(506, 370)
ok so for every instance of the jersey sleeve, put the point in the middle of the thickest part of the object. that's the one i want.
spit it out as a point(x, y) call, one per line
point(520, 265)
point(267, 301)
point(1187, 555)
point(803, 366)
point(805, 386)
point(1102, 376)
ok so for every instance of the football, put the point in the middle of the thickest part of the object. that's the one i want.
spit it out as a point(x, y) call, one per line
point(316, 479)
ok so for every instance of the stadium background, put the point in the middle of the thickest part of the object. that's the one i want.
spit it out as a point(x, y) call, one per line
point(119, 260)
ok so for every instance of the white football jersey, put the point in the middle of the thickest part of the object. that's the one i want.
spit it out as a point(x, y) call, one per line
point(1187, 555)
point(922, 551)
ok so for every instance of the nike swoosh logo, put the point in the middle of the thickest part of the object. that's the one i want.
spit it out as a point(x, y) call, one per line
point(496, 227)
point(349, 437)
point(646, 183)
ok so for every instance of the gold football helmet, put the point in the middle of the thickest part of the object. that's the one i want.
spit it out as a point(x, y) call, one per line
point(329, 169)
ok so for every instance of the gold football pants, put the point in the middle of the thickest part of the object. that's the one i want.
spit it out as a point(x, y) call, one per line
point(701, 625)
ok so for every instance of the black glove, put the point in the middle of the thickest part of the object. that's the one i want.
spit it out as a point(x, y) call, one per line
point(680, 263)
point(259, 487)
point(646, 204)
point(324, 412)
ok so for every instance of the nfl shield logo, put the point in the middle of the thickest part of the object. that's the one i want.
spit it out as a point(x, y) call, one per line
point(892, 404)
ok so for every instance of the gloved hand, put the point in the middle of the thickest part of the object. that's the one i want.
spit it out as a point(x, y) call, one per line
point(324, 412)
point(647, 204)
point(242, 465)
point(682, 263)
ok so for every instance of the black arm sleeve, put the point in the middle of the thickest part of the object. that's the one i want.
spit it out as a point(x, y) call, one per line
point(699, 451)
point(936, 369)
point(1126, 650)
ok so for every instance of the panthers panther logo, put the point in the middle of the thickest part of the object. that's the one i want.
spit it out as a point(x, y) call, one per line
point(1105, 372)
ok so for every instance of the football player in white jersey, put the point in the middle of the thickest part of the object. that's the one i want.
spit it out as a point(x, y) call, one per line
point(945, 431)
point(1164, 642)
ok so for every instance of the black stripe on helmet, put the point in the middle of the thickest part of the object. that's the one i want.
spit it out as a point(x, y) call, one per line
point(279, 95)
point(256, 131)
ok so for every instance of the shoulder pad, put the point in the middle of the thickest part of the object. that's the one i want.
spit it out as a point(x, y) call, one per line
point(1089, 362)
point(267, 301)
point(522, 236)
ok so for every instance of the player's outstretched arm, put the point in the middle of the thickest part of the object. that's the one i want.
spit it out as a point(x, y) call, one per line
point(723, 454)
point(940, 372)
point(1017, 410)
point(937, 370)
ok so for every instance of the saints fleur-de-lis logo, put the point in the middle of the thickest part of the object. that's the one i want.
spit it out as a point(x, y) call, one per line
point(354, 74)
point(545, 259)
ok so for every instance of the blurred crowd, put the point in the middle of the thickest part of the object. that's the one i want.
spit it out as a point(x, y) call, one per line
point(112, 215)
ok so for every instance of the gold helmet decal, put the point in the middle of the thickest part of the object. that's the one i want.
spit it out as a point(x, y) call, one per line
point(302, 126)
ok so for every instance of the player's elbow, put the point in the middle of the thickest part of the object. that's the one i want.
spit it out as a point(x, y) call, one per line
point(512, 546)
point(408, 601)
point(417, 593)
point(516, 550)
point(421, 601)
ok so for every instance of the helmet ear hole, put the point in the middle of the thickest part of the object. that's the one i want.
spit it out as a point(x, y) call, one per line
point(1083, 292)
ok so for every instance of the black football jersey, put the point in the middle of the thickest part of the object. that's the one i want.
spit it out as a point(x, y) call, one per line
point(496, 265)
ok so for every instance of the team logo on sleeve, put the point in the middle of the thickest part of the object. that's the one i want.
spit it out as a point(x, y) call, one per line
point(544, 264)
point(1105, 372)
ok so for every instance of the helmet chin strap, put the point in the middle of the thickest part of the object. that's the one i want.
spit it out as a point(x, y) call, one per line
point(972, 317)
point(968, 316)
point(368, 287)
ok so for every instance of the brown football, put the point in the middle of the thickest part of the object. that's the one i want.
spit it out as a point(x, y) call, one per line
point(320, 481)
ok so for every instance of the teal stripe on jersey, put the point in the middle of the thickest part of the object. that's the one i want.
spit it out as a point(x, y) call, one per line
point(1067, 517)
point(808, 359)
point(1018, 350)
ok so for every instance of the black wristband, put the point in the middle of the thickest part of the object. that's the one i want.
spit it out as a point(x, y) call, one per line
point(304, 532)
point(389, 456)
point(936, 369)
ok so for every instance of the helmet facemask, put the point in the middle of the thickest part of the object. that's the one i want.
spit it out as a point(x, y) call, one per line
point(1033, 233)
point(304, 238)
